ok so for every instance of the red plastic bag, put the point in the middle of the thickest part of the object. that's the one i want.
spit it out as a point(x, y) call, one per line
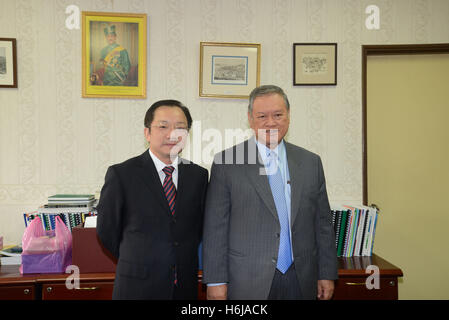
point(46, 251)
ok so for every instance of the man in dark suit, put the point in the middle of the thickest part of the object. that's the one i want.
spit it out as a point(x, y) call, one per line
point(150, 213)
point(267, 229)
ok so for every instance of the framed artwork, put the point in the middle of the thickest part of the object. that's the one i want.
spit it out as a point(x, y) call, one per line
point(114, 55)
point(8, 63)
point(228, 70)
point(314, 64)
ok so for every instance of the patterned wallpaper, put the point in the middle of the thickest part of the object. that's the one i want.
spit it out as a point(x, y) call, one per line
point(52, 140)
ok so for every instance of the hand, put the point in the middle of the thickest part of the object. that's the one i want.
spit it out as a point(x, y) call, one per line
point(325, 289)
point(217, 292)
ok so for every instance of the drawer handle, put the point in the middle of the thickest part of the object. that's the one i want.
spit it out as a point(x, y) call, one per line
point(26, 291)
point(49, 289)
point(88, 288)
point(355, 283)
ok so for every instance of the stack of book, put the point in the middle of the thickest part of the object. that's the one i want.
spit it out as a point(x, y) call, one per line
point(10, 255)
point(354, 228)
point(71, 208)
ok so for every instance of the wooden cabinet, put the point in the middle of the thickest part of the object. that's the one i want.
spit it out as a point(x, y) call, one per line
point(17, 292)
point(14, 286)
point(355, 289)
point(98, 286)
point(86, 291)
point(353, 274)
point(92, 286)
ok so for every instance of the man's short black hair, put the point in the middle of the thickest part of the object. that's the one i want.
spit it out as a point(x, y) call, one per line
point(149, 116)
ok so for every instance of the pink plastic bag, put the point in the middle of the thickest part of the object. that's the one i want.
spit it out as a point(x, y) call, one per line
point(46, 251)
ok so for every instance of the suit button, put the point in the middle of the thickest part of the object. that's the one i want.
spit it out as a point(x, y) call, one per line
point(173, 220)
point(176, 244)
point(278, 235)
point(273, 260)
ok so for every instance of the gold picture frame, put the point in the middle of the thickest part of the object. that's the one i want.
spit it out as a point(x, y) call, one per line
point(228, 70)
point(314, 64)
point(114, 52)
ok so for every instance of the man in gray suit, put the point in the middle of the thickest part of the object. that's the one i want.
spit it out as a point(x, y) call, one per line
point(267, 229)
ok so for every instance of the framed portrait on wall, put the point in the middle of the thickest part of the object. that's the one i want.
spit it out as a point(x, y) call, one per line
point(8, 63)
point(114, 55)
point(314, 64)
point(228, 70)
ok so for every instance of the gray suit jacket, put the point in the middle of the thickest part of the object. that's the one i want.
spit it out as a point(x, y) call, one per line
point(241, 227)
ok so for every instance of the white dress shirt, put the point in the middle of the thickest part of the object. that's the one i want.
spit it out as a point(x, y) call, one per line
point(160, 165)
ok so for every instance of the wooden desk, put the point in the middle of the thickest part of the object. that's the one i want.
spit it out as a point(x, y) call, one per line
point(14, 286)
point(98, 286)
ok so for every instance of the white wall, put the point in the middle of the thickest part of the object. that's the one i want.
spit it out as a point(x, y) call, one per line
point(52, 140)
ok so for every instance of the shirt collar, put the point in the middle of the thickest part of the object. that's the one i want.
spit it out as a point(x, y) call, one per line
point(264, 151)
point(161, 165)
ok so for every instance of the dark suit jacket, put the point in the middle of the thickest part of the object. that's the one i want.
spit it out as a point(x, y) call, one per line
point(136, 226)
point(241, 227)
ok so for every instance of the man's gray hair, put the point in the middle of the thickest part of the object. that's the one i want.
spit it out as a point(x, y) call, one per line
point(266, 90)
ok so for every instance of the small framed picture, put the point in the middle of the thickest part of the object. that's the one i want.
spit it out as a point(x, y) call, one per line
point(314, 64)
point(8, 63)
point(229, 70)
point(114, 55)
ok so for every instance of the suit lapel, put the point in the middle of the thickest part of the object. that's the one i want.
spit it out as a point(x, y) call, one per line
point(151, 179)
point(260, 181)
point(257, 177)
point(296, 172)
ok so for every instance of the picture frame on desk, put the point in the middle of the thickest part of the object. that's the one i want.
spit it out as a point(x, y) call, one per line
point(8, 63)
point(114, 51)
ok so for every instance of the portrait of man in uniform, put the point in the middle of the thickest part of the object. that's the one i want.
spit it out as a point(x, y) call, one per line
point(115, 59)
point(114, 55)
point(115, 63)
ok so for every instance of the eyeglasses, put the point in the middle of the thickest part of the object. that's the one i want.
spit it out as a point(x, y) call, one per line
point(166, 127)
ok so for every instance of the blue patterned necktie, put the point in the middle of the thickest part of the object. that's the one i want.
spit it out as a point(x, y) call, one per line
point(277, 189)
point(169, 188)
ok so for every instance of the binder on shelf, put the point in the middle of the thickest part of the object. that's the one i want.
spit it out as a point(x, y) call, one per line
point(73, 212)
point(355, 228)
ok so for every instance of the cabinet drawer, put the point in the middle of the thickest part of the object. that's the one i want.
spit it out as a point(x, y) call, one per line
point(355, 289)
point(17, 292)
point(87, 291)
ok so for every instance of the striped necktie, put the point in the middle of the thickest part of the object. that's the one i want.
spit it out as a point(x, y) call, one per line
point(169, 188)
point(277, 189)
